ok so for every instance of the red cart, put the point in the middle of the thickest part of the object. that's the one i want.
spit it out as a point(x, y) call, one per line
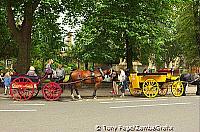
point(25, 87)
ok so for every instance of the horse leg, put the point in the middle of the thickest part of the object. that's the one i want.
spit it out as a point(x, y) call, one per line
point(72, 95)
point(77, 93)
point(94, 94)
point(95, 90)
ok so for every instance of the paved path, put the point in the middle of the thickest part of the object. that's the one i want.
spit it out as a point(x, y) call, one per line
point(180, 114)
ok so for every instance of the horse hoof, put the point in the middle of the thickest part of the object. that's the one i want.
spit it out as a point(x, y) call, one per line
point(95, 97)
point(79, 97)
point(73, 99)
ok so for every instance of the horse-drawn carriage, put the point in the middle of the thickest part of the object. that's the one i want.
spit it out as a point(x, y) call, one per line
point(152, 84)
point(25, 87)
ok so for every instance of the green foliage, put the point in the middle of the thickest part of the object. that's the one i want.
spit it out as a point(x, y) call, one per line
point(8, 48)
point(186, 35)
point(148, 24)
point(47, 39)
point(162, 29)
point(46, 31)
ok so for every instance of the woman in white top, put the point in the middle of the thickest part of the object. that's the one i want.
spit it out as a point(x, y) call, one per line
point(122, 79)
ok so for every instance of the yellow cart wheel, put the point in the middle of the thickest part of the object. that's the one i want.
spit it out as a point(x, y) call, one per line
point(150, 88)
point(177, 88)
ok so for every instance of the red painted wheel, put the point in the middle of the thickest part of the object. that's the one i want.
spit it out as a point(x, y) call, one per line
point(21, 88)
point(51, 91)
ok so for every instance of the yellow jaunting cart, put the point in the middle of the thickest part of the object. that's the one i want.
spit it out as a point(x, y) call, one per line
point(152, 84)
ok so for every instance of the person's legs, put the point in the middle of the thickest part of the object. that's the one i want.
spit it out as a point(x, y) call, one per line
point(123, 89)
point(115, 87)
point(9, 90)
point(126, 84)
point(5, 90)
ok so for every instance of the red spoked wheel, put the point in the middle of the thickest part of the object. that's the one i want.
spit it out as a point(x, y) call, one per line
point(21, 88)
point(51, 91)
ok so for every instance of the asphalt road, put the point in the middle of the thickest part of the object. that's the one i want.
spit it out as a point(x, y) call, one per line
point(106, 114)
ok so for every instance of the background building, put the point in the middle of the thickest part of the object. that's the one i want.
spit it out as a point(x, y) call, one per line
point(68, 42)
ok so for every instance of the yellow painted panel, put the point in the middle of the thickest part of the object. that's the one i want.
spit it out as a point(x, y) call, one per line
point(134, 80)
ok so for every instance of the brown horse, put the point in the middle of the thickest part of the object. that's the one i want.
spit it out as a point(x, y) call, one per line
point(88, 77)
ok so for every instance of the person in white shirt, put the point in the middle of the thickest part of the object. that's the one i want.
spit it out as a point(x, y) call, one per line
point(122, 79)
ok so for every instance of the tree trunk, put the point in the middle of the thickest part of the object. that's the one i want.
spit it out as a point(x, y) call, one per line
point(86, 66)
point(23, 60)
point(129, 53)
point(22, 33)
point(78, 63)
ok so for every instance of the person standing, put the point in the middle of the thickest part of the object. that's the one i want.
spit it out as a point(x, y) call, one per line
point(122, 79)
point(127, 73)
point(114, 82)
point(7, 81)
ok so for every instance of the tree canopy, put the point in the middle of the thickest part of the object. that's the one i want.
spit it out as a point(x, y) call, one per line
point(148, 26)
point(136, 30)
point(187, 25)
